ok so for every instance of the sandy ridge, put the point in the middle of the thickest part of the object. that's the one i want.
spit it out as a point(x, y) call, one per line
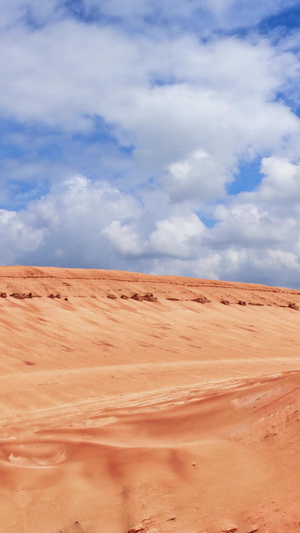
point(119, 415)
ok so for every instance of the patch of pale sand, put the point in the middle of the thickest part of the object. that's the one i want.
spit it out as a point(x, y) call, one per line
point(171, 415)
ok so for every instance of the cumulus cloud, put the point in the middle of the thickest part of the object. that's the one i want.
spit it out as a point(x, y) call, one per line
point(95, 225)
point(127, 83)
point(92, 224)
point(281, 182)
point(205, 15)
point(66, 225)
point(124, 238)
point(161, 112)
point(26, 11)
point(188, 110)
point(239, 13)
point(248, 225)
point(177, 236)
point(17, 236)
point(259, 231)
point(198, 176)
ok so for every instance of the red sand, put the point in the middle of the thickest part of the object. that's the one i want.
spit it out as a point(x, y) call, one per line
point(162, 416)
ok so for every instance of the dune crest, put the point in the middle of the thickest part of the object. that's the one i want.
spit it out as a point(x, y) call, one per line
point(142, 403)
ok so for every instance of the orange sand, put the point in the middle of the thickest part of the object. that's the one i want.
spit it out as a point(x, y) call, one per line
point(120, 415)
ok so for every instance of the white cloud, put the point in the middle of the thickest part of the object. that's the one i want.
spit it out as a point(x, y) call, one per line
point(258, 233)
point(202, 14)
point(207, 265)
point(124, 238)
point(66, 224)
point(176, 236)
point(191, 110)
point(212, 103)
point(281, 182)
point(214, 13)
point(17, 237)
point(198, 176)
point(257, 266)
point(92, 224)
point(247, 225)
point(27, 11)
point(239, 13)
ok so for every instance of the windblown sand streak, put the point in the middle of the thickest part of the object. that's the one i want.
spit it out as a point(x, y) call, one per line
point(157, 413)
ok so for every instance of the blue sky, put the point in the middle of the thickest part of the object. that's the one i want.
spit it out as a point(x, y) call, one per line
point(155, 136)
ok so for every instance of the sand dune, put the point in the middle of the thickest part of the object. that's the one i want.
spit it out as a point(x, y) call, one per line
point(139, 403)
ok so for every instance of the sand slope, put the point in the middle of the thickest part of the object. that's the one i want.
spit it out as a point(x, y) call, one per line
point(178, 410)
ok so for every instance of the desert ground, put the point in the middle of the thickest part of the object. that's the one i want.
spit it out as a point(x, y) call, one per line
point(133, 403)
